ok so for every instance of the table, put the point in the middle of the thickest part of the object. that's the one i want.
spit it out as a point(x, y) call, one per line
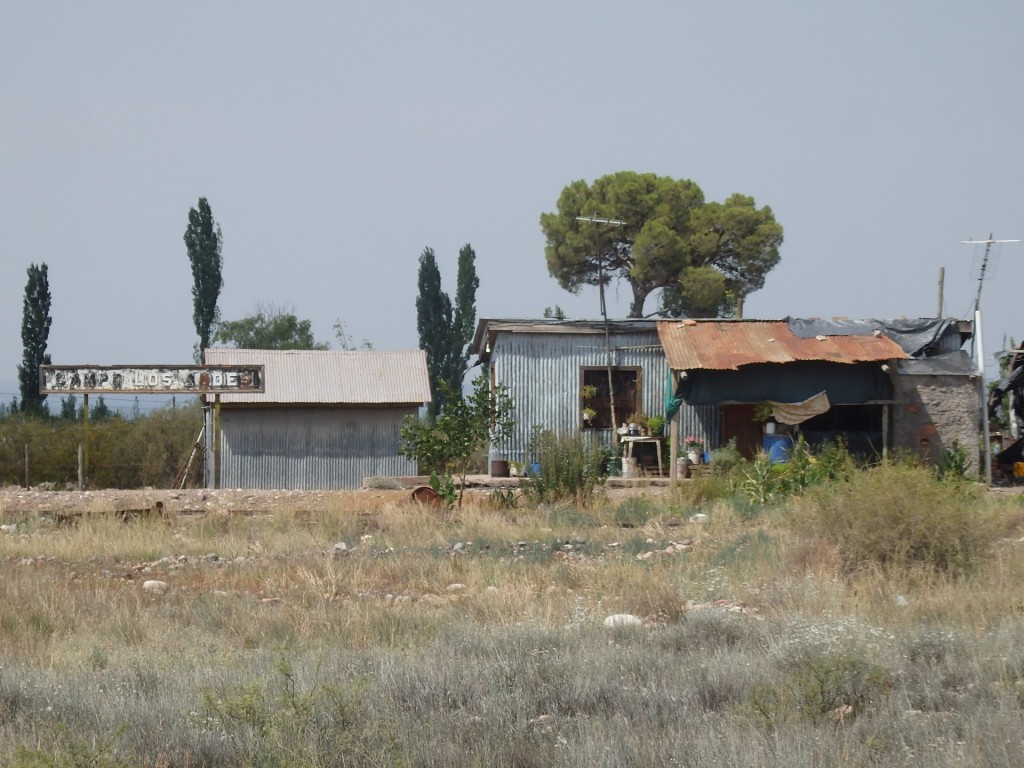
point(629, 441)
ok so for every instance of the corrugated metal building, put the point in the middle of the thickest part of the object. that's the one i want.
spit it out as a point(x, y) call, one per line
point(326, 419)
point(901, 383)
point(547, 363)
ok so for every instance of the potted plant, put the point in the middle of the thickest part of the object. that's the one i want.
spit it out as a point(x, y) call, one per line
point(588, 416)
point(764, 414)
point(589, 392)
point(656, 424)
point(637, 422)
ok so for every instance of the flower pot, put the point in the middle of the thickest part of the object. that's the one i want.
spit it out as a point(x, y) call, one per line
point(694, 457)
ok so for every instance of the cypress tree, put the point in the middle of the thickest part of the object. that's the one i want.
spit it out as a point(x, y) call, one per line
point(434, 323)
point(203, 240)
point(446, 331)
point(35, 332)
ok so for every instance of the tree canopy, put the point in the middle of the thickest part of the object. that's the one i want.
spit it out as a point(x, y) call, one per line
point(463, 428)
point(35, 334)
point(659, 233)
point(203, 242)
point(269, 327)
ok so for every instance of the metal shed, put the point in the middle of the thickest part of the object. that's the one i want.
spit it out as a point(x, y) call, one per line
point(326, 419)
point(546, 363)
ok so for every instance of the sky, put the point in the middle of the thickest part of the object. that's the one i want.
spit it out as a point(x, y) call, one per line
point(336, 140)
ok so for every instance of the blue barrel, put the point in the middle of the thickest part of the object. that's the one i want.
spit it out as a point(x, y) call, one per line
point(777, 447)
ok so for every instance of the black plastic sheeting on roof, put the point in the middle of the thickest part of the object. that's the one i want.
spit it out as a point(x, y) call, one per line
point(917, 337)
point(950, 364)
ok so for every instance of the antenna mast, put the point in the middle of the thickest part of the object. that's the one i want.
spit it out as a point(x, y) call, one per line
point(595, 220)
point(984, 263)
point(979, 358)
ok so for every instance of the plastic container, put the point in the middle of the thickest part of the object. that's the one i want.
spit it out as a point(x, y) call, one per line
point(777, 447)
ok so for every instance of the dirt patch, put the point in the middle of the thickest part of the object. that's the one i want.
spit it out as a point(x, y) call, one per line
point(16, 501)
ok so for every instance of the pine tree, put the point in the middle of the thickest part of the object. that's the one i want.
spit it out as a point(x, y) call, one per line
point(203, 242)
point(35, 332)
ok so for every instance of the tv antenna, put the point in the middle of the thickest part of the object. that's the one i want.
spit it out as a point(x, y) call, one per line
point(595, 220)
point(978, 337)
point(984, 262)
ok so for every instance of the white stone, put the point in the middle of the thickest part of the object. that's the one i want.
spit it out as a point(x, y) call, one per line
point(700, 517)
point(623, 620)
point(154, 587)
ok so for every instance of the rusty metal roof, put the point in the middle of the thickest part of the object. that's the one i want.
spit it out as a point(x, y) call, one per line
point(361, 377)
point(729, 344)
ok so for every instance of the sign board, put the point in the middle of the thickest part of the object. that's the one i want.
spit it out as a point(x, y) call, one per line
point(150, 379)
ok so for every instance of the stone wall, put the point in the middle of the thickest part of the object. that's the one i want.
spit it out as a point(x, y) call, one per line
point(933, 411)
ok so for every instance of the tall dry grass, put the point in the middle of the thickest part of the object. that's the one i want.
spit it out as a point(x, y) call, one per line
point(480, 639)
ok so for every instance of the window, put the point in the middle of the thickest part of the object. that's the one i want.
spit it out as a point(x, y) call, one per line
point(596, 401)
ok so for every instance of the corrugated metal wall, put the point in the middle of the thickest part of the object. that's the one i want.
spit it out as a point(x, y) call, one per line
point(310, 448)
point(543, 374)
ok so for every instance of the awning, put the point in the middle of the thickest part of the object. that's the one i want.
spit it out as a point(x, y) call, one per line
point(790, 383)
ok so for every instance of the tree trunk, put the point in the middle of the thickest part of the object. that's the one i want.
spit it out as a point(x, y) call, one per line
point(640, 294)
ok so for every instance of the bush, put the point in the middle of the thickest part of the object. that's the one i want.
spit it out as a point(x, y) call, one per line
point(634, 512)
point(569, 470)
point(725, 459)
point(147, 451)
point(900, 516)
point(830, 688)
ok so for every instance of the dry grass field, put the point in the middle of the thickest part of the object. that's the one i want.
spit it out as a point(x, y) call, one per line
point(674, 626)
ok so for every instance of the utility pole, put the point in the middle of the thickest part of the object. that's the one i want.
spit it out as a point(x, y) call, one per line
point(596, 221)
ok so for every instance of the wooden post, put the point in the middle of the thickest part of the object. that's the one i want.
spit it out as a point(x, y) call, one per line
point(83, 474)
point(26, 467)
point(216, 440)
point(885, 430)
point(673, 435)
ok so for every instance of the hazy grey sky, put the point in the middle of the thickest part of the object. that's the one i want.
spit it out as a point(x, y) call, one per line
point(336, 140)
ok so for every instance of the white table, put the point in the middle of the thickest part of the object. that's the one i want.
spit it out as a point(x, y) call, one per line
point(629, 441)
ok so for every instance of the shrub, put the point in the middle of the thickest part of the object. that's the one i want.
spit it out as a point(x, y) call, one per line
point(569, 470)
point(725, 459)
point(831, 687)
point(634, 512)
point(897, 515)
